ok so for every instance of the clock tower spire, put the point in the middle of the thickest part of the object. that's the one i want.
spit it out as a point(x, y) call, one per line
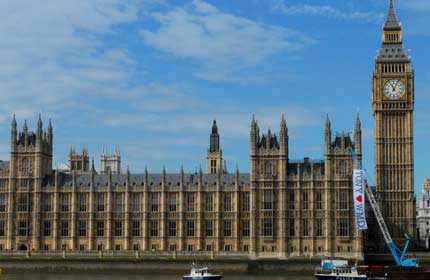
point(393, 106)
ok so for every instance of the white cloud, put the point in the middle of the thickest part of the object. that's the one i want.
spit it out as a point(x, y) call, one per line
point(280, 6)
point(53, 57)
point(222, 42)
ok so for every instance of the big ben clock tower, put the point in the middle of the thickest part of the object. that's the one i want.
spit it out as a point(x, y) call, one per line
point(393, 106)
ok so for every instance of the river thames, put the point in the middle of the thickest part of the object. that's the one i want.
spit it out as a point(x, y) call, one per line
point(122, 276)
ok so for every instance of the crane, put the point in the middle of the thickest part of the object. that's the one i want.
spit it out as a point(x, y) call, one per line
point(398, 255)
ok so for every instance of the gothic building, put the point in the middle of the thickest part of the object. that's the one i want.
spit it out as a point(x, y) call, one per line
point(423, 215)
point(281, 208)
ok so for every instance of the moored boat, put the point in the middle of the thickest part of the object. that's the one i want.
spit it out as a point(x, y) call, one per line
point(201, 274)
point(338, 270)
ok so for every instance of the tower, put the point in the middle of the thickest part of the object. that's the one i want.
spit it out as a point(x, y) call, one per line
point(110, 162)
point(214, 156)
point(30, 166)
point(79, 162)
point(393, 106)
point(268, 180)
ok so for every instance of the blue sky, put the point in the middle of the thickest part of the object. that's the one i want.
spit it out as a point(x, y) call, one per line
point(151, 75)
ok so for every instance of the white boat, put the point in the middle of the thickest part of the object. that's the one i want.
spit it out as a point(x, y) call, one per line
point(338, 270)
point(201, 274)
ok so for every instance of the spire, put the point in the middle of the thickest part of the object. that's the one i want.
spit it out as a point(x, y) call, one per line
point(327, 124)
point(214, 139)
point(25, 128)
point(357, 123)
point(92, 165)
point(392, 23)
point(14, 122)
point(39, 122)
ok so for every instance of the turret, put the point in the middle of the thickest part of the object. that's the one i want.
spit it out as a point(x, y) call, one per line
point(50, 134)
point(327, 135)
point(13, 134)
point(357, 135)
point(39, 131)
point(25, 131)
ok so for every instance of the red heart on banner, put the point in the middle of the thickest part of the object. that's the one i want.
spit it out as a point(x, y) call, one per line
point(359, 198)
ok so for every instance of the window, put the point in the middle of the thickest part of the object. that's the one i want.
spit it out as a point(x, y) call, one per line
point(343, 227)
point(268, 168)
point(172, 247)
point(209, 228)
point(100, 228)
point(267, 227)
point(25, 167)
point(118, 206)
point(135, 247)
point(292, 201)
point(81, 247)
point(65, 202)
point(227, 248)
point(245, 202)
point(82, 202)
point(47, 228)
point(305, 200)
point(136, 202)
point(190, 228)
point(209, 202)
point(135, 230)
point(343, 200)
point(2, 228)
point(172, 228)
point(154, 202)
point(117, 247)
point(82, 228)
point(100, 201)
point(47, 202)
point(154, 247)
point(267, 200)
point(227, 202)
point(319, 200)
point(3, 202)
point(190, 247)
point(100, 247)
point(319, 227)
point(23, 202)
point(292, 228)
point(213, 166)
point(245, 228)
point(154, 228)
point(22, 228)
point(64, 228)
point(117, 228)
point(209, 247)
point(172, 202)
point(227, 228)
point(305, 227)
point(190, 202)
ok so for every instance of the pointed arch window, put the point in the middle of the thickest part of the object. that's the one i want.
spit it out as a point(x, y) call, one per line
point(25, 166)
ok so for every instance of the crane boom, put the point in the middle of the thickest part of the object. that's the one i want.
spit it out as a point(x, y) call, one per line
point(394, 250)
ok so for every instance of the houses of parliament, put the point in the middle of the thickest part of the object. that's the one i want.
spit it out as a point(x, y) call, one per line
point(281, 207)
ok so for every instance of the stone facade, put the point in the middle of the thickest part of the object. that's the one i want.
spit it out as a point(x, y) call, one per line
point(282, 208)
point(423, 215)
point(110, 162)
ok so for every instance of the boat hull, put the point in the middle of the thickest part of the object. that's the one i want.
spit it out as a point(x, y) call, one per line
point(212, 277)
point(336, 277)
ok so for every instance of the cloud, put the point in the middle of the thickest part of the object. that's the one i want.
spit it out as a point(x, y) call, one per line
point(223, 43)
point(53, 54)
point(279, 6)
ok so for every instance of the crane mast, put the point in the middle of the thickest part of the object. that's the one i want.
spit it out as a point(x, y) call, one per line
point(398, 255)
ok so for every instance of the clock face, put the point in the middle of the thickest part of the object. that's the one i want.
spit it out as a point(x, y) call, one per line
point(394, 89)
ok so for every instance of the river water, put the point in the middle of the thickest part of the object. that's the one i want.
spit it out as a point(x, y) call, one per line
point(76, 276)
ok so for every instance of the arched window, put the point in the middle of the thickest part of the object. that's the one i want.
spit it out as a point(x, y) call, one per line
point(25, 166)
